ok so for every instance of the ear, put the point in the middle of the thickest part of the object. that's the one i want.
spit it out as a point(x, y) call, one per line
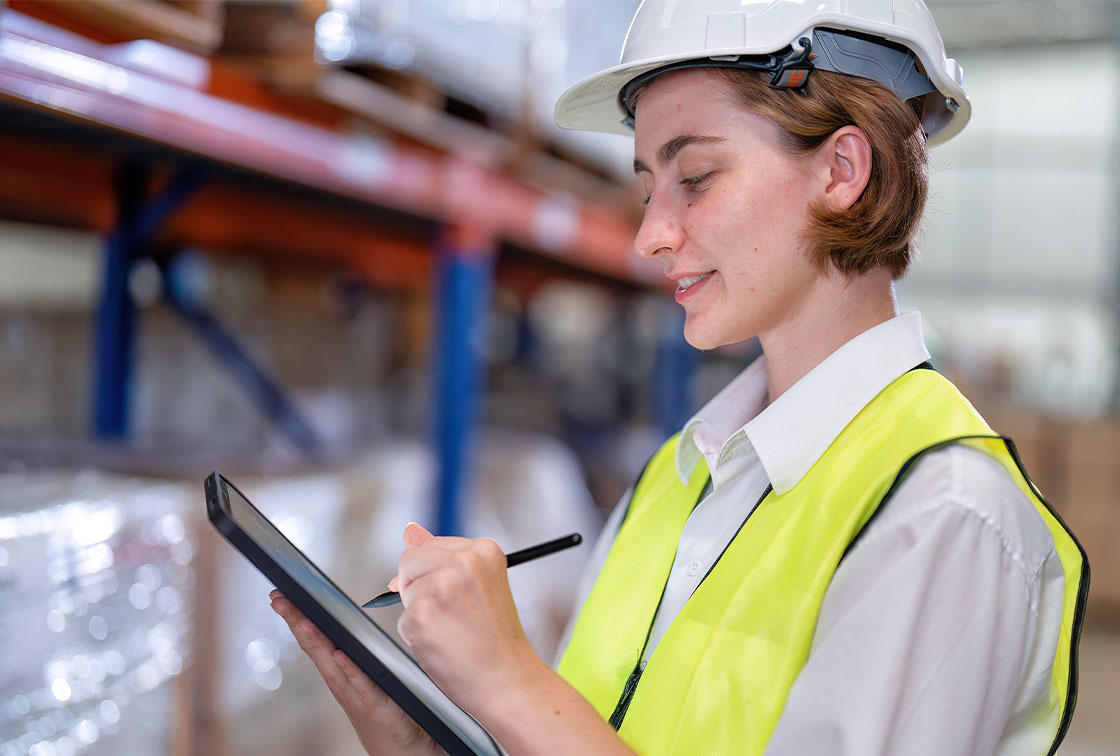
point(846, 161)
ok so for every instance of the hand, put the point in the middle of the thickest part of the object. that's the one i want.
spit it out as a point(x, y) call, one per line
point(462, 625)
point(460, 619)
point(382, 726)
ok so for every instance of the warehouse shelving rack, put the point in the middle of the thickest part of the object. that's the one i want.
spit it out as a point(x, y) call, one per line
point(197, 153)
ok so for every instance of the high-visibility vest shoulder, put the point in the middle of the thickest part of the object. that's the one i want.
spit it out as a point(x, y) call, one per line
point(718, 680)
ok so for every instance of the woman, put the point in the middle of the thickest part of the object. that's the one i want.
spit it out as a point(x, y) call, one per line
point(836, 555)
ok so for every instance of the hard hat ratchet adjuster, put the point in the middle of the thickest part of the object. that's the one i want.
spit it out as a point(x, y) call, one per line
point(795, 66)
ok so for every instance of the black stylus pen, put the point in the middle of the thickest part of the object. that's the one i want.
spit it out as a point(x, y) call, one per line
point(512, 560)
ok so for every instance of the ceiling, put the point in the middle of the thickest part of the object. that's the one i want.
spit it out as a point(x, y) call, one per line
point(979, 23)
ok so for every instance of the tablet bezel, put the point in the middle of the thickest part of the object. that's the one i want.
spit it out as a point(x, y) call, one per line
point(219, 515)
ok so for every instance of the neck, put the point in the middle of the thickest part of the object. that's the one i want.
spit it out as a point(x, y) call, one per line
point(837, 310)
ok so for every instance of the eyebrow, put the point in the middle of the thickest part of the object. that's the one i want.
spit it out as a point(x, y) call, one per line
point(672, 148)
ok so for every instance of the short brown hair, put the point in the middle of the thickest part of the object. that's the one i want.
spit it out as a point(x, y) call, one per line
point(879, 228)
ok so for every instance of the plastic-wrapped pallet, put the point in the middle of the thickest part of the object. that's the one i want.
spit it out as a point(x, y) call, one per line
point(104, 577)
point(95, 583)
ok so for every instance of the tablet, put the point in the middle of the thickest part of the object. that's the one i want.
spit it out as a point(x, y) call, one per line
point(343, 621)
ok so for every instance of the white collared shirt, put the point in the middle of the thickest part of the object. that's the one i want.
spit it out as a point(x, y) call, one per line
point(938, 631)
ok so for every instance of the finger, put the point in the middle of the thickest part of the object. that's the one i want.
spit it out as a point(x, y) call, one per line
point(282, 606)
point(430, 548)
point(366, 691)
point(320, 650)
point(347, 683)
point(473, 557)
point(418, 562)
point(412, 590)
point(416, 535)
point(311, 639)
point(316, 645)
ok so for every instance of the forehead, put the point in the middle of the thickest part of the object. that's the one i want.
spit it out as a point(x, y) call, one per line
point(683, 78)
point(688, 99)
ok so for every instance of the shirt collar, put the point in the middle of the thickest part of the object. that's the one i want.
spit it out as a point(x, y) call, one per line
point(708, 433)
point(792, 433)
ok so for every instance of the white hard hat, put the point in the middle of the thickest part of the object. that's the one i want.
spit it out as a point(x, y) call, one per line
point(894, 42)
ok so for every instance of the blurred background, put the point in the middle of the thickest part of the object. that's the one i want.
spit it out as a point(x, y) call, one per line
point(338, 249)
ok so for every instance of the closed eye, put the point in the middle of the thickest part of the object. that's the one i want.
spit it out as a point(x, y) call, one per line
point(695, 182)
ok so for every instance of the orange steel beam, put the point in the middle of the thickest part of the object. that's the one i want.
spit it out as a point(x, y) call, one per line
point(134, 19)
point(73, 187)
point(54, 74)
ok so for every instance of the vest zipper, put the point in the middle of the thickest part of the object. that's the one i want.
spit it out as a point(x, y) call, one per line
point(627, 694)
point(631, 685)
point(632, 681)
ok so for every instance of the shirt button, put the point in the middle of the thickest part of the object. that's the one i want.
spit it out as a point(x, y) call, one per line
point(694, 566)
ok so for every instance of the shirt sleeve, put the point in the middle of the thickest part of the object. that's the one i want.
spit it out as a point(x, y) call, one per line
point(938, 628)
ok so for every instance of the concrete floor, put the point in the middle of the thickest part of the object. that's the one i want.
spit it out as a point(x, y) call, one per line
point(1096, 722)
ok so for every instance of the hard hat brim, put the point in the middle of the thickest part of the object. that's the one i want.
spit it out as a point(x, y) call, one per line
point(593, 104)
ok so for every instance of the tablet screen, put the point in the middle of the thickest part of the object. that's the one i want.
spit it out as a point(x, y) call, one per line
point(351, 617)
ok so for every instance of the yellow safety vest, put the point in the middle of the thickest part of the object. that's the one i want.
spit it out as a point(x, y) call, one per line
point(719, 678)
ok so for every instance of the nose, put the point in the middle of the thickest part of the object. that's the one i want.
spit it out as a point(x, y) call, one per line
point(660, 231)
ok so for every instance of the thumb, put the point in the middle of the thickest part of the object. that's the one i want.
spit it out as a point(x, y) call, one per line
point(416, 535)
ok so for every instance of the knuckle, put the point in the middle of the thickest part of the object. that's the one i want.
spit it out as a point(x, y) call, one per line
point(363, 697)
point(462, 560)
point(300, 637)
point(423, 609)
point(443, 584)
point(470, 562)
point(489, 548)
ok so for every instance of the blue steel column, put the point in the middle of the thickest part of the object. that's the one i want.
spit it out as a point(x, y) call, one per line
point(137, 221)
point(116, 315)
point(676, 370)
point(463, 287)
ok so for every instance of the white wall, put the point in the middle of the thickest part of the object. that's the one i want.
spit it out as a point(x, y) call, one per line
point(43, 267)
point(1019, 255)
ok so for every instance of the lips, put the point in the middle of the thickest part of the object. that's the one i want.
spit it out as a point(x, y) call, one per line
point(687, 282)
point(689, 286)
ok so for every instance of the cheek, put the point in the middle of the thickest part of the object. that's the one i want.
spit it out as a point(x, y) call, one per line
point(746, 231)
point(716, 217)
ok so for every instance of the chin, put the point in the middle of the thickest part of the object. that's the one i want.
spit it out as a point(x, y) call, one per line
point(702, 339)
point(701, 336)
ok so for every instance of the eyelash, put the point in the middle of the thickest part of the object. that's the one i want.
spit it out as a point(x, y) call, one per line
point(692, 183)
